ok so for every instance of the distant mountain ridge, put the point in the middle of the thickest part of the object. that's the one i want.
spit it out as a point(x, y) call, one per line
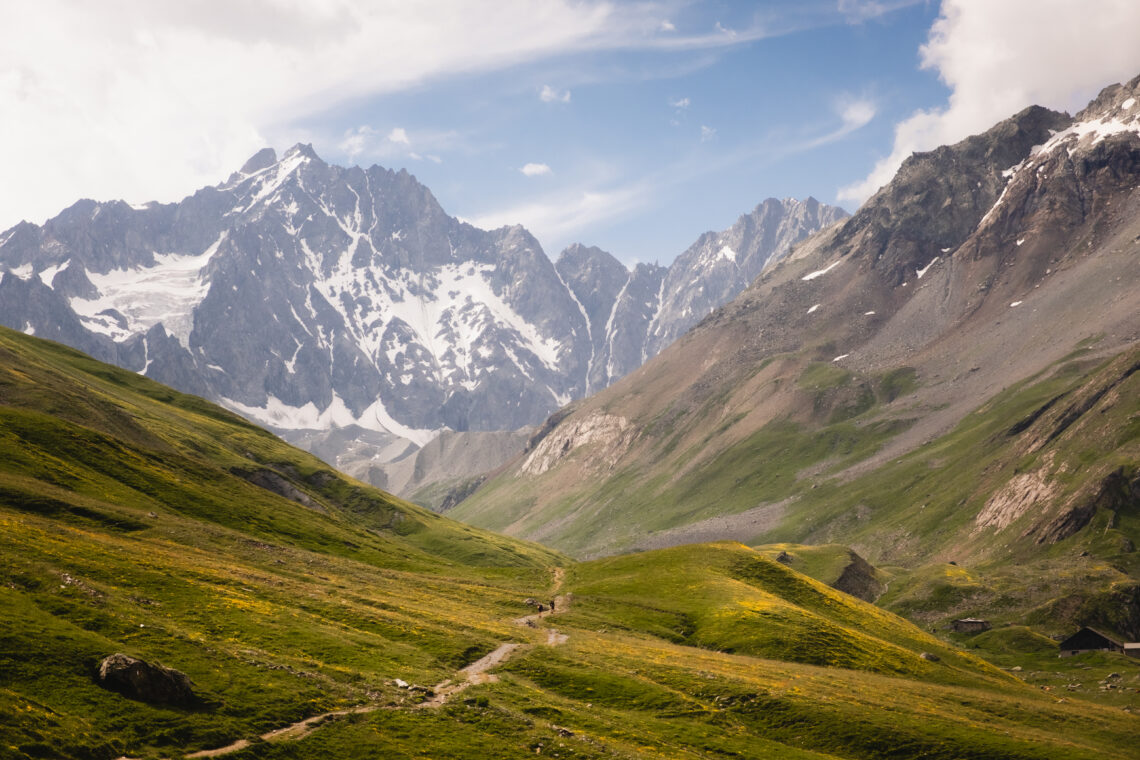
point(311, 297)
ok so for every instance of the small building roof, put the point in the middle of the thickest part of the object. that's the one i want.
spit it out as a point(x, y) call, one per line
point(1104, 636)
point(970, 620)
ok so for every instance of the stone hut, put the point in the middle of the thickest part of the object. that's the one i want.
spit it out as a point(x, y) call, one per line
point(970, 625)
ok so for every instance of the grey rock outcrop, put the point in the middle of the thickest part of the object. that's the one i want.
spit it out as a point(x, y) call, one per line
point(147, 682)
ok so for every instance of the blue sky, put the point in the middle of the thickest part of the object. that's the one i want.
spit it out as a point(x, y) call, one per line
point(667, 143)
point(634, 126)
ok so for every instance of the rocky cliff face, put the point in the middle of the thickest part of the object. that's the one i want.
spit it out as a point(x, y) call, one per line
point(313, 299)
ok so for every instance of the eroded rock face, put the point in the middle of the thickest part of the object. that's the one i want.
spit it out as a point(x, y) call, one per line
point(610, 432)
point(147, 682)
point(1014, 500)
point(272, 481)
point(858, 579)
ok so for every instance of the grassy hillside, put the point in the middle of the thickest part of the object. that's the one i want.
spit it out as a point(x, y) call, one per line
point(1035, 496)
point(139, 520)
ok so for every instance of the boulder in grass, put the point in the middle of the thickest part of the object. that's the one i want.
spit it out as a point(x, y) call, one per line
point(147, 682)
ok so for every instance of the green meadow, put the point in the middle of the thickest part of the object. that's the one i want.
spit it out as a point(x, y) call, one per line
point(140, 520)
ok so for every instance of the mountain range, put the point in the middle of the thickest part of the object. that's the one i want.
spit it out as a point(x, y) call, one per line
point(316, 299)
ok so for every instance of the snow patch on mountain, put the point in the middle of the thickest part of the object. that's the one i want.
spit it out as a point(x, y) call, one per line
point(24, 272)
point(167, 292)
point(920, 272)
point(1092, 131)
point(821, 272)
point(277, 414)
point(47, 276)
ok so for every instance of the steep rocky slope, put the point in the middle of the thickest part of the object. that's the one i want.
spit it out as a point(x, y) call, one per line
point(981, 268)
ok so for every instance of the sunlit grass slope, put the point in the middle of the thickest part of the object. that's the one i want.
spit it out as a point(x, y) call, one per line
point(731, 598)
point(135, 519)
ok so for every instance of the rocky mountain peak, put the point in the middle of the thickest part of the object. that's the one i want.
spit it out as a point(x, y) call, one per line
point(1004, 262)
point(304, 150)
point(1111, 102)
point(730, 260)
point(262, 159)
point(937, 198)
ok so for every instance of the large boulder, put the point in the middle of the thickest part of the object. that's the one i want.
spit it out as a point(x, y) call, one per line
point(144, 681)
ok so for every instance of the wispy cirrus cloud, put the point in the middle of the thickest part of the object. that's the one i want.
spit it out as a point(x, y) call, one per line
point(143, 100)
point(859, 11)
point(854, 113)
point(563, 215)
point(575, 213)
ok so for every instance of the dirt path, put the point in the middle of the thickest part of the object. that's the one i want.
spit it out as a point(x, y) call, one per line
point(291, 732)
point(473, 674)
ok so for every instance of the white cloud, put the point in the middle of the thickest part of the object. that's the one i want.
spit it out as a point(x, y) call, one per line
point(858, 11)
point(146, 100)
point(998, 58)
point(561, 217)
point(707, 133)
point(721, 28)
point(857, 113)
point(535, 170)
point(368, 142)
point(550, 95)
point(679, 103)
point(356, 141)
point(667, 26)
point(854, 113)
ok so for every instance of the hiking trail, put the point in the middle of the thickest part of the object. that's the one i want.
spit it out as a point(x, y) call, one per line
point(471, 675)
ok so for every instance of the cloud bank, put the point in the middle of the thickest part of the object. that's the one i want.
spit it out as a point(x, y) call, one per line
point(95, 96)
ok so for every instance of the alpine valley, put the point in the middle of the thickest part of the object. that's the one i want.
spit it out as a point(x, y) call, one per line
point(770, 481)
point(946, 383)
point(344, 309)
point(180, 583)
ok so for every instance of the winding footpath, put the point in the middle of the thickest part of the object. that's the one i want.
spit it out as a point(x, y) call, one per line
point(472, 675)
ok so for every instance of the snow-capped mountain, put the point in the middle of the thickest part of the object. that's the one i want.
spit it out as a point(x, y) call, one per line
point(719, 265)
point(308, 296)
point(633, 315)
